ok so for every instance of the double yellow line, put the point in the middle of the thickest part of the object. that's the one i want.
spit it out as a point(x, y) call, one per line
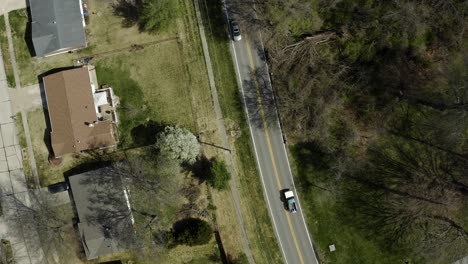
point(270, 148)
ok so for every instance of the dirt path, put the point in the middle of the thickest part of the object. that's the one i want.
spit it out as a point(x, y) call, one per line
point(223, 135)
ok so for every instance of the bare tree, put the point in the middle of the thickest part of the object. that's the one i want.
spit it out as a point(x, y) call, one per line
point(412, 192)
point(39, 213)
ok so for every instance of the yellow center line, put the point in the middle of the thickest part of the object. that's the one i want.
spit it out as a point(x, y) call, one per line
point(270, 148)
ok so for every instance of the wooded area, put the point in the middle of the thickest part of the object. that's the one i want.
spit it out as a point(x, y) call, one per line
point(376, 92)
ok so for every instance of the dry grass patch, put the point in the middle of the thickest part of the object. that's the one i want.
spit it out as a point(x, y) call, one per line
point(22, 141)
point(6, 54)
point(181, 254)
point(229, 229)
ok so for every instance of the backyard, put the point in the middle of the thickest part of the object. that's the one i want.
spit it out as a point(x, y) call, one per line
point(162, 82)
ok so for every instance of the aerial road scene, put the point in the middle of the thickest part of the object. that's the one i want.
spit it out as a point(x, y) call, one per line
point(233, 132)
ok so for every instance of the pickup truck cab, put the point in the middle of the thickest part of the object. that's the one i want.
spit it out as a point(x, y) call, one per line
point(235, 30)
point(290, 201)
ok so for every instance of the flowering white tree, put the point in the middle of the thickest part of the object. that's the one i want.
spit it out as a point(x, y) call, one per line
point(179, 144)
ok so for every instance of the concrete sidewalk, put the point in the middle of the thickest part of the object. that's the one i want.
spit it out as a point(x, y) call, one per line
point(24, 240)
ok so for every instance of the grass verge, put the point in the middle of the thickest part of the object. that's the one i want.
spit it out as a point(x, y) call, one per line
point(24, 146)
point(257, 219)
point(8, 251)
point(6, 54)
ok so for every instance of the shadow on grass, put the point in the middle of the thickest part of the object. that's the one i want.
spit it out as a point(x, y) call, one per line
point(145, 134)
point(201, 169)
point(218, 22)
point(130, 10)
point(28, 34)
point(222, 251)
point(313, 164)
point(90, 166)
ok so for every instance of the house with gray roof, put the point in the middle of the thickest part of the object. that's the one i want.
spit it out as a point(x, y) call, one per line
point(105, 220)
point(57, 26)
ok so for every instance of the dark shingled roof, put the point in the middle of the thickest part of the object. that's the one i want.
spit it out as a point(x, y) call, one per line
point(56, 25)
point(105, 219)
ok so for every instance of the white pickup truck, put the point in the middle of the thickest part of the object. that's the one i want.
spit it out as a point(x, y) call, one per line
point(290, 201)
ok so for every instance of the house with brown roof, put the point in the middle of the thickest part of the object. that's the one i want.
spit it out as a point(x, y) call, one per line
point(81, 116)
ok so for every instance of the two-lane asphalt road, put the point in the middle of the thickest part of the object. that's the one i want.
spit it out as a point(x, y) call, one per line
point(275, 172)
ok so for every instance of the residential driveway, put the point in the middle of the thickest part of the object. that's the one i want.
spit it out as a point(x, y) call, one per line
point(9, 5)
point(27, 98)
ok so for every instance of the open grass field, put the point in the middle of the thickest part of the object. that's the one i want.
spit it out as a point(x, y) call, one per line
point(257, 219)
point(164, 83)
point(6, 54)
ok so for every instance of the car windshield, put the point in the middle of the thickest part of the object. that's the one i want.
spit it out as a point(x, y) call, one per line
point(235, 27)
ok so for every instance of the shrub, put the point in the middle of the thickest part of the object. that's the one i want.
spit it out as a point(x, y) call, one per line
point(219, 175)
point(192, 232)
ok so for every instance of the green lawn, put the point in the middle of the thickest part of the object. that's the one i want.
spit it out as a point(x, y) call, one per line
point(260, 232)
point(6, 54)
point(8, 251)
point(165, 83)
point(151, 91)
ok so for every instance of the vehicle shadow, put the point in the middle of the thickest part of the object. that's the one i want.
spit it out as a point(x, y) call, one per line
point(283, 199)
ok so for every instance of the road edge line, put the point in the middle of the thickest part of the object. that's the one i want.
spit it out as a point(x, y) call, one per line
point(239, 79)
point(284, 144)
